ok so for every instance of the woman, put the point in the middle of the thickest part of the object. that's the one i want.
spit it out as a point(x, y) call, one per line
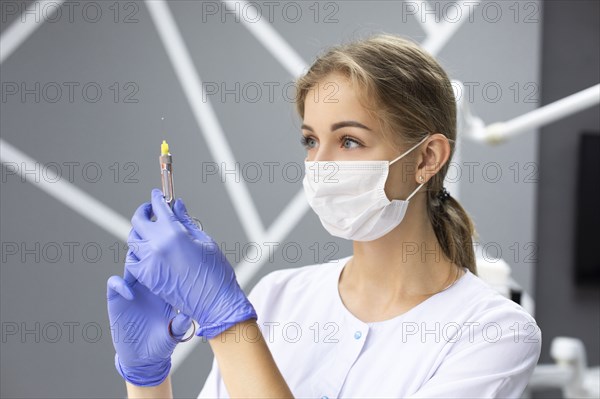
point(404, 316)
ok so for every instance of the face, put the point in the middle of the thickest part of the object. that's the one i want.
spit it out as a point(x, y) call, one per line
point(336, 127)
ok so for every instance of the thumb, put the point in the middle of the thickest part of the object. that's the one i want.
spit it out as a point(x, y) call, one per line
point(181, 323)
point(181, 212)
point(116, 286)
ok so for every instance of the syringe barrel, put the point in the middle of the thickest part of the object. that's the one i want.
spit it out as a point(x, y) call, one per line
point(166, 170)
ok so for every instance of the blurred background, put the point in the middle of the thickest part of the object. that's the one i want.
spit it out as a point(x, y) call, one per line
point(89, 89)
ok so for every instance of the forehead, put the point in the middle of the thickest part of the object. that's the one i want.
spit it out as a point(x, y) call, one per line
point(334, 98)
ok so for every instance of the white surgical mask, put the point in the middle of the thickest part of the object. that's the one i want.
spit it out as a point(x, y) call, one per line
point(349, 197)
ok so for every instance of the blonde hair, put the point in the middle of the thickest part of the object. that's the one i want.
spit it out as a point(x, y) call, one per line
point(410, 96)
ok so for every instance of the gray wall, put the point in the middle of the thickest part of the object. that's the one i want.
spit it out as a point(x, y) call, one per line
point(570, 63)
point(502, 53)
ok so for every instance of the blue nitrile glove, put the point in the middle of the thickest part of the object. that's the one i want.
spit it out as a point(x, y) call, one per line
point(185, 267)
point(139, 326)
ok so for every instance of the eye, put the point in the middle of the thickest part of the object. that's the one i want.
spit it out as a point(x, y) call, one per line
point(307, 141)
point(349, 142)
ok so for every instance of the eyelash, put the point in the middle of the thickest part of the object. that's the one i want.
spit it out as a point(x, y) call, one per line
point(304, 141)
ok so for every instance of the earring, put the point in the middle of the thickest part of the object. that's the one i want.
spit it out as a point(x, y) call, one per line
point(421, 179)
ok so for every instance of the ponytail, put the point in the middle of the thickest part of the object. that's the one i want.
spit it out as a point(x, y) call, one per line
point(453, 228)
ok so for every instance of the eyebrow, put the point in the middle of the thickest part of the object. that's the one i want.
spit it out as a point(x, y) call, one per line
point(340, 125)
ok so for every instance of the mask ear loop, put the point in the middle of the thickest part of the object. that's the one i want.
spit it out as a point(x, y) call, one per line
point(410, 149)
point(406, 152)
point(414, 192)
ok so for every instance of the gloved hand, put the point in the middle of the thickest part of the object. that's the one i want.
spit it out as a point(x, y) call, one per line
point(184, 266)
point(139, 326)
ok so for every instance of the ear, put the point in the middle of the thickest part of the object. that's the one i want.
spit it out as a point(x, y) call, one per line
point(433, 157)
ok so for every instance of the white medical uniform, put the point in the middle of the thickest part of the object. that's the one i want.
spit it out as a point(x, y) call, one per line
point(468, 341)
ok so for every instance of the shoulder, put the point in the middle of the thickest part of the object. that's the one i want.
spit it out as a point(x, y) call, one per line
point(491, 320)
point(473, 314)
point(490, 345)
point(486, 302)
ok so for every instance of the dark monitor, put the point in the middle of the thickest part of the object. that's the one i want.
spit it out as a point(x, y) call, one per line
point(587, 234)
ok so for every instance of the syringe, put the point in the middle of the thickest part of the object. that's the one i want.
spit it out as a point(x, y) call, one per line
point(166, 177)
point(166, 171)
point(166, 174)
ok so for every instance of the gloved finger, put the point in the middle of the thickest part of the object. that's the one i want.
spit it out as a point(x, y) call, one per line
point(180, 210)
point(138, 248)
point(116, 286)
point(129, 277)
point(139, 263)
point(181, 323)
point(131, 257)
point(133, 236)
point(181, 213)
point(134, 272)
point(142, 217)
point(161, 209)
